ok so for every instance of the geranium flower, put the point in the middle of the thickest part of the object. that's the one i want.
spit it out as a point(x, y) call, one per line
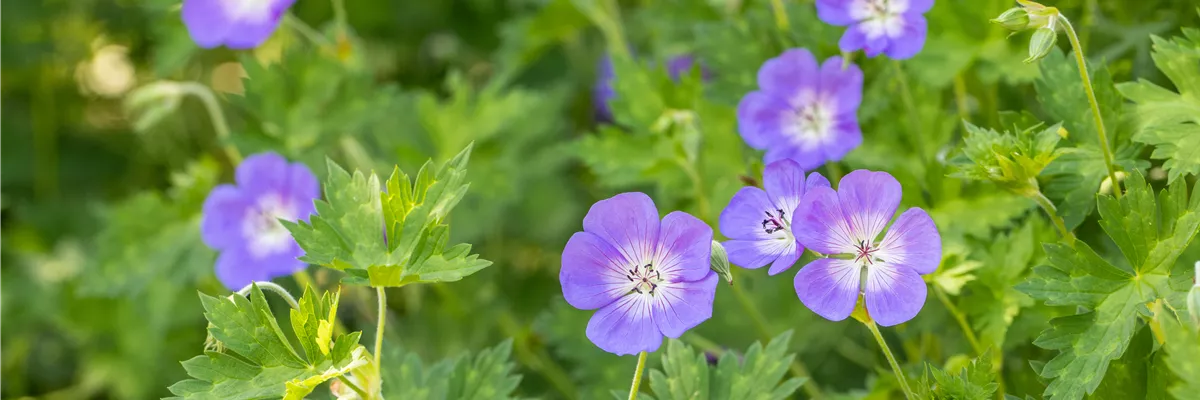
point(242, 221)
point(893, 27)
point(646, 279)
point(603, 91)
point(760, 222)
point(847, 222)
point(237, 24)
point(801, 111)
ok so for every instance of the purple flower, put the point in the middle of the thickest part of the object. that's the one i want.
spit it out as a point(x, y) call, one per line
point(847, 222)
point(646, 278)
point(603, 92)
point(760, 222)
point(242, 222)
point(894, 27)
point(237, 24)
point(803, 111)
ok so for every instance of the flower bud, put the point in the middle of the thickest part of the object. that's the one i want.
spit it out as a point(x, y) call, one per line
point(1015, 19)
point(719, 262)
point(1041, 43)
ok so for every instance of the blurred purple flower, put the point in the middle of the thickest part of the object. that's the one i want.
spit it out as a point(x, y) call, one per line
point(847, 222)
point(803, 111)
point(242, 221)
point(760, 222)
point(646, 278)
point(237, 24)
point(603, 92)
point(893, 27)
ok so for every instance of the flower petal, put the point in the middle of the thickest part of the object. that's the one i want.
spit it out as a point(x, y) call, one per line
point(808, 157)
point(919, 6)
point(893, 295)
point(843, 83)
point(206, 22)
point(628, 222)
point(784, 182)
point(912, 242)
point(848, 134)
point(593, 272)
point(261, 173)
point(786, 260)
point(684, 247)
point(852, 40)
point(815, 179)
point(911, 39)
point(869, 200)
point(789, 75)
point(829, 287)
point(835, 12)
point(754, 254)
point(819, 224)
point(251, 33)
point(761, 118)
point(223, 215)
point(625, 327)
point(236, 268)
point(683, 305)
point(742, 218)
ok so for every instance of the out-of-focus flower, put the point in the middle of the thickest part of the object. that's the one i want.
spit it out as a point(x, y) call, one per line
point(802, 111)
point(242, 221)
point(893, 27)
point(846, 222)
point(760, 222)
point(603, 91)
point(646, 278)
point(236, 24)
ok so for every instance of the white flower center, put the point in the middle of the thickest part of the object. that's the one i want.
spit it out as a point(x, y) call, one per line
point(256, 11)
point(812, 124)
point(644, 279)
point(262, 228)
point(879, 17)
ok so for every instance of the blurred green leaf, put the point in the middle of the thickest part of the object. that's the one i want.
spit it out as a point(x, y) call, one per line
point(687, 374)
point(485, 376)
point(1170, 121)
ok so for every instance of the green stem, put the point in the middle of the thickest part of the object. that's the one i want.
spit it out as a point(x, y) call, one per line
point(760, 323)
point(637, 376)
point(962, 320)
point(308, 32)
point(382, 322)
point(612, 29)
point(887, 352)
point(361, 393)
point(339, 14)
point(698, 185)
point(781, 18)
point(220, 126)
point(1091, 95)
point(1042, 201)
point(271, 287)
point(911, 109)
point(960, 98)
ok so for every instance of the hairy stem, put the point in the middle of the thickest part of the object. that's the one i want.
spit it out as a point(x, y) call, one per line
point(637, 376)
point(382, 322)
point(271, 287)
point(1091, 95)
point(962, 320)
point(887, 352)
point(1042, 201)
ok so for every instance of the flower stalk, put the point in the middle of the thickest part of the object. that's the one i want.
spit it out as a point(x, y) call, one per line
point(887, 352)
point(637, 376)
point(381, 324)
point(1095, 105)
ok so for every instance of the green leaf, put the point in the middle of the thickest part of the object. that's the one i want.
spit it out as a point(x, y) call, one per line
point(1167, 120)
point(1151, 235)
point(397, 236)
point(1011, 159)
point(257, 360)
point(976, 381)
point(1182, 346)
point(686, 374)
point(485, 376)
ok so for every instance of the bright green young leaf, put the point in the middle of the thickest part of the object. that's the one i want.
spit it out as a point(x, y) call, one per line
point(389, 237)
point(258, 361)
point(1171, 121)
point(1011, 159)
point(686, 374)
point(485, 376)
point(1151, 235)
point(976, 381)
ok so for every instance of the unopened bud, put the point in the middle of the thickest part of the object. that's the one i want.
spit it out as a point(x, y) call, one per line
point(719, 262)
point(1015, 19)
point(1041, 43)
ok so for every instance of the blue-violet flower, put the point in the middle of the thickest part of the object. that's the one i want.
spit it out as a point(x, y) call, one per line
point(242, 221)
point(803, 111)
point(760, 222)
point(847, 222)
point(646, 278)
point(893, 27)
point(237, 24)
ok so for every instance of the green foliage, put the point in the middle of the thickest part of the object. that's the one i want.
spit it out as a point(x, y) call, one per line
point(687, 374)
point(258, 361)
point(976, 381)
point(1182, 346)
point(1151, 235)
point(485, 376)
point(411, 247)
point(1012, 159)
point(1171, 121)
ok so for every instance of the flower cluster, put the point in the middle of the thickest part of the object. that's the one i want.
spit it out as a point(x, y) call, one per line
point(242, 221)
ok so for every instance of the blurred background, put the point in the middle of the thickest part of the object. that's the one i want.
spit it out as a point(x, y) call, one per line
point(102, 188)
